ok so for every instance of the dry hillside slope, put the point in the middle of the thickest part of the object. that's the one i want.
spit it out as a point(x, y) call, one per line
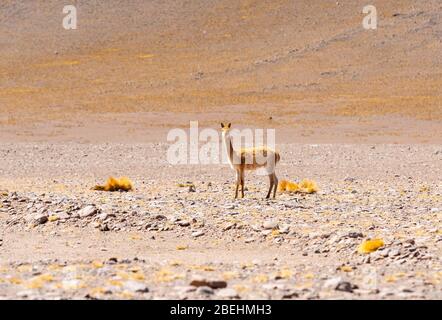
point(308, 64)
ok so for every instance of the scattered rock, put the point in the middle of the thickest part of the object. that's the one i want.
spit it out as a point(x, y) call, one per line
point(345, 286)
point(205, 290)
point(270, 224)
point(214, 284)
point(183, 223)
point(63, 215)
point(355, 235)
point(284, 229)
point(40, 218)
point(290, 295)
point(227, 293)
point(135, 286)
point(249, 240)
point(103, 216)
point(332, 283)
point(197, 234)
point(87, 211)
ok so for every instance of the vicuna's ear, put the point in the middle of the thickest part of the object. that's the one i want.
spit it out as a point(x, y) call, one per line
point(222, 125)
point(228, 126)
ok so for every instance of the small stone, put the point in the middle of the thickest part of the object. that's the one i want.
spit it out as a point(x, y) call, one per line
point(184, 223)
point(227, 293)
point(290, 295)
point(339, 285)
point(40, 219)
point(344, 286)
point(205, 290)
point(135, 286)
point(278, 240)
point(229, 226)
point(355, 235)
point(394, 253)
point(384, 253)
point(332, 283)
point(103, 216)
point(87, 211)
point(284, 229)
point(270, 224)
point(214, 284)
point(197, 234)
point(249, 240)
point(63, 216)
point(112, 260)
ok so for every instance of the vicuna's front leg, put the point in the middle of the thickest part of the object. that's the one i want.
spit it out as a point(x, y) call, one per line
point(238, 181)
point(275, 181)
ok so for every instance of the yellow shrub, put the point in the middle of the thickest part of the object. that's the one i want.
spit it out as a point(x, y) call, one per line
point(292, 187)
point(305, 186)
point(282, 185)
point(308, 186)
point(113, 184)
point(370, 245)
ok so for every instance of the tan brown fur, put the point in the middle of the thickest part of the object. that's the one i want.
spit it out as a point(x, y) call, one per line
point(253, 153)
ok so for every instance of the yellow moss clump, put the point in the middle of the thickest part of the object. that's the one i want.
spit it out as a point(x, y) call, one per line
point(113, 184)
point(183, 185)
point(369, 246)
point(282, 185)
point(39, 281)
point(52, 218)
point(305, 186)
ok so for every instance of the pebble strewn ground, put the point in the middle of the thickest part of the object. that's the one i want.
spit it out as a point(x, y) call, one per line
point(198, 242)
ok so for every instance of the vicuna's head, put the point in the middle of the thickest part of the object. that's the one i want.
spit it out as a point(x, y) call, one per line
point(225, 128)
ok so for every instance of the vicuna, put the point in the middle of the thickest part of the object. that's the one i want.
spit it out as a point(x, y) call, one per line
point(250, 159)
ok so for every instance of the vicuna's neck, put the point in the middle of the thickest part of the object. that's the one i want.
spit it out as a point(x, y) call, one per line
point(227, 139)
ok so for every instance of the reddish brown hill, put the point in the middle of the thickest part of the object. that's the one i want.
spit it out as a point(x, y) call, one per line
point(308, 64)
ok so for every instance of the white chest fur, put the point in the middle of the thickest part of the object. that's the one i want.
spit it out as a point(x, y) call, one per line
point(227, 140)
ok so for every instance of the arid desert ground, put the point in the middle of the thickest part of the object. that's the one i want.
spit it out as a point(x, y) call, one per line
point(357, 111)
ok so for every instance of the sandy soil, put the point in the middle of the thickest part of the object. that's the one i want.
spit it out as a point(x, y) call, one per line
point(164, 236)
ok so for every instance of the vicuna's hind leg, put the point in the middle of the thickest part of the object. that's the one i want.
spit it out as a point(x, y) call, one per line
point(272, 182)
point(242, 183)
